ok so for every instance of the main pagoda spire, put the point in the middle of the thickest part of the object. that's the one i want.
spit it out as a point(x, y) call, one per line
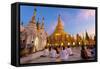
point(59, 28)
point(60, 24)
point(58, 37)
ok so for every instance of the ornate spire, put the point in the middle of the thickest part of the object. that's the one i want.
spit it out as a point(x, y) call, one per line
point(38, 25)
point(42, 26)
point(33, 17)
point(59, 30)
point(37, 21)
point(35, 11)
point(86, 36)
point(59, 19)
point(59, 25)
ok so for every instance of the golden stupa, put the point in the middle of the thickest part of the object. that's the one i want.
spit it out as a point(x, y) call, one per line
point(59, 37)
point(59, 30)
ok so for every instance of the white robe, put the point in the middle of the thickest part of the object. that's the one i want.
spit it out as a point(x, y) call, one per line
point(69, 50)
point(64, 55)
point(46, 52)
point(53, 53)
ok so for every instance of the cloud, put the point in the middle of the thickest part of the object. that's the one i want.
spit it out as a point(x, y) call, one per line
point(86, 14)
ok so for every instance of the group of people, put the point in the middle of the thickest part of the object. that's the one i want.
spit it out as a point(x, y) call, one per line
point(64, 52)
point(58, 52)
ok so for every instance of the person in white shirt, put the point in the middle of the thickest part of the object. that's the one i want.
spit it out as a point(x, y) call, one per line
point(69, 50)
point(46, 52)
point(63, 54)
point(53, 54)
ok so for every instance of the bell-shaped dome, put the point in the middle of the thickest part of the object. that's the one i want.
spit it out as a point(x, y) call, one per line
point(59, 28)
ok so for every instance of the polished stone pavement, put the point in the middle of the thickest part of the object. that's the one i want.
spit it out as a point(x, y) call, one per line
point(36, 57)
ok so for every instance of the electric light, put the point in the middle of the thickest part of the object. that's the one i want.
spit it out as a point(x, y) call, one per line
point(79, 43)
point(73, 43)
point(62, 44)
point(68, 43)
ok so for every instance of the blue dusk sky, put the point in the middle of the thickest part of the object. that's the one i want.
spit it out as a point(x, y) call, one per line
point(74, 20)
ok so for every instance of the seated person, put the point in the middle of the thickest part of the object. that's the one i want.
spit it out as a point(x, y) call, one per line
point(53, 53)
point(93, 51)
point(88, 50)
point(63, 54)
point(84, 54)
point(69, 50)
point(46, 52)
